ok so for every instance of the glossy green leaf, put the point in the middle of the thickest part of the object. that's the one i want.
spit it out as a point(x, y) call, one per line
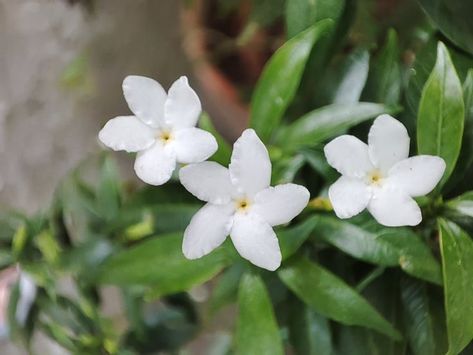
point(464, 168)
point(332, 297)
point(384, 79)
point(159, 262)
point(257, 331)
point(309, 332)
point(441, 113)
point(462, 204)
point(290, 239)
point(381, 246)
point(108, 191)
point(421, 324)
point(326, 122)
point(453, 18)
point(226, 289)
point(301, 14)
point(353, 76)
point(224, 151)
point(457, 262)
point(280, 79)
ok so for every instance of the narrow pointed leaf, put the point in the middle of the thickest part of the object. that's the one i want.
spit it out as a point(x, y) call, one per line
point(321, 124)
point(457, 261)
point(332, 297)
point(257, 331)
point(441, 113)
point(384, 79)
point(159, 262)
point(280, 79)
point(381, 246)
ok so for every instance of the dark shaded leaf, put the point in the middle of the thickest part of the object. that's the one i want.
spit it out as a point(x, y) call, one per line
point(257, 331)
point(332, 297)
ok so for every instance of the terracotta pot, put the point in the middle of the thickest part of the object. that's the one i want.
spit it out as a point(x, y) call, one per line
point(221, 88)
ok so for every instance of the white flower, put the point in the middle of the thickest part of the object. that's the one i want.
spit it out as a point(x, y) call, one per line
point(241, 203)
point(380, 176)
point(162, 130)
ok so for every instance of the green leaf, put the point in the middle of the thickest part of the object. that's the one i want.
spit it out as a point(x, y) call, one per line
point(326, 122)
point(257, 331)
point(462, 204)
point(290, 239)
point(309, 332)
point(353, 76)
point(381, 246)
point(441, 113)
point(280, 79)
point(108, 192)
point(301, 14)
point(457, 262)
point(224, 151)
point(159, 262)
point(464, 167)
point(421, 325)
point(384, 79)
point(332, 297)
point(453, 18)
point(226, 288)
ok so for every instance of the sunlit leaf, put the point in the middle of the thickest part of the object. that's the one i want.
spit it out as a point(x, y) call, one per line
point(441, 113)
point(332, 297)
point(257, 331)
point(457, 263)
point(280, 79)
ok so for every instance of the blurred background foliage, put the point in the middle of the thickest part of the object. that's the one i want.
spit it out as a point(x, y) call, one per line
point(303, 71)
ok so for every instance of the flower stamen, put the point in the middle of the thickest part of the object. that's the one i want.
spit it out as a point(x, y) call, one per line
point(242, 205)
point(375, 177)
point(164, 136)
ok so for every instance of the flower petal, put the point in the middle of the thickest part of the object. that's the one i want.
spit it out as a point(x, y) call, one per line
point(207, 230)
point(250, 167)
point(194, 145)
point(208, 181)
point(280, 204)
point(349, 196)
point(394, 208)
point(182, 107)
point(146, 98)
point(417, 175)
point(388, 142)
point(349, 156)
point(156, 164)
point(126, 133)
point(256, 241)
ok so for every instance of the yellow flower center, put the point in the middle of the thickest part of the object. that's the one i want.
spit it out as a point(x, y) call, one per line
point(164, 136)
point(375, 177)
point(242, 205)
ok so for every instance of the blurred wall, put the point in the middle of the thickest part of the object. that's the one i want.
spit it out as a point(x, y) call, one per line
point(61, 69)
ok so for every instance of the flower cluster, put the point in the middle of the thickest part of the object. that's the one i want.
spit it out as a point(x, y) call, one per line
point(239, 200)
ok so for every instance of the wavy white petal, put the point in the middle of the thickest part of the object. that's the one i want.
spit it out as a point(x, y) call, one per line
point(208, 181)
point(182, 107)
point(418, 175)
point(280, 204)
point(349, 196)
point(349, 156)
point(250, 167)
point(126, 133)
point(146, 98)
point(207, 230)
point(388, 142)
point(155, 165)
point(256, 241)
point(393, 207)
point(194, 145)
